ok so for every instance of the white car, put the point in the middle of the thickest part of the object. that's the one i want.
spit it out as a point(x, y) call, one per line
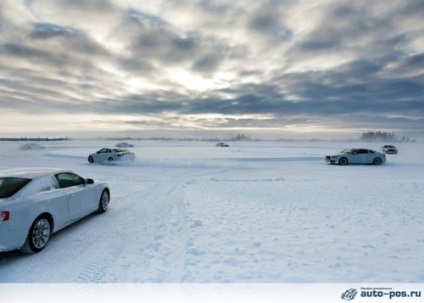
point(36, 202)
point(356, 156)
point(389, 149)
point(111, 154)
point(124, 144)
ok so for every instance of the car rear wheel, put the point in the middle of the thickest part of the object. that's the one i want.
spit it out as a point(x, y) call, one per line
point(343, 161)
point(104, 202)
point(38, 236)
point(110, 159)
point(377, 161)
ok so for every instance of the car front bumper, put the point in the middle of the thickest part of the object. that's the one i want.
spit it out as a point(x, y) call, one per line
point(331, 160)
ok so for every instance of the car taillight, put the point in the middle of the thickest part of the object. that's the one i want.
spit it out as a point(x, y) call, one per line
point(4, 216)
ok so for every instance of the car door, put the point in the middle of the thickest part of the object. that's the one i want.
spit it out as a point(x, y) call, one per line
point(370, 156)
point(80, 197)
point(361, 156)
point(101, 155)
point(56, 202)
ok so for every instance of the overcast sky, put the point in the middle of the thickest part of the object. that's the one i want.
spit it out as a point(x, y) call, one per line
point(212, 66)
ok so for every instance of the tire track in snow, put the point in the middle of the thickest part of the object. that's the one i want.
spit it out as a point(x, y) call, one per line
point(120, 239)
point(164, 255)
point(138, 244)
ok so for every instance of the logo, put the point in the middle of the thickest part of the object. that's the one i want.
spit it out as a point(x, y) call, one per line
point(349, 294)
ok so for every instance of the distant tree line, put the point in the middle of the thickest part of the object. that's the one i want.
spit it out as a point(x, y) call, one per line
point(383, 136)
point(241, 137)
point(238, 137)
point(34, 139)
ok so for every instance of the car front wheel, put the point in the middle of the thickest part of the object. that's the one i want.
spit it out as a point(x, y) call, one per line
point(343, 161)
point(90, 159)
point(377, 161)
point(38, 236)
point(104, 202)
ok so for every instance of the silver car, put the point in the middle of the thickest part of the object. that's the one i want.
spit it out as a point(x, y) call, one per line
point(111, 154)
point(124, 144)
point(356, 156)
point(36, 202)
point(389, 149)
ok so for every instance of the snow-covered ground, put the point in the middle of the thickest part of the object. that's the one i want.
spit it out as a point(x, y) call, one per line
point(254, 212)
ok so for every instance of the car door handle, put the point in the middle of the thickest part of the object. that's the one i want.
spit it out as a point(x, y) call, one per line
point(69, 196)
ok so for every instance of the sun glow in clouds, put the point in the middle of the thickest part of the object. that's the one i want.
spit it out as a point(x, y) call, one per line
point(189, 80)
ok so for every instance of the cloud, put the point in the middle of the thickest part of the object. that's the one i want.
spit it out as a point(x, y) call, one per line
point(214, 64)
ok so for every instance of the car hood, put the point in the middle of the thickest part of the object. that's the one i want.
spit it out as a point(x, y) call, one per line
point(336, 155)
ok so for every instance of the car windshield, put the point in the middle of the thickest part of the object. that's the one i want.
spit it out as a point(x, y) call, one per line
point(10, 186)
point(346, 151)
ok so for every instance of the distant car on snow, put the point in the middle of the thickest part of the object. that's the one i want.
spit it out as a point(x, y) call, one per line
point(356, 156)
point(124, 144)
point(31, 146)
point(36, 202)
point(389, 149)
point(111, 154)
point(222, 144)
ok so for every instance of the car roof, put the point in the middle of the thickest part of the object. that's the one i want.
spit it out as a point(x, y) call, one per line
point(356, 148)
point(360, 148)
point(113, 148)
point(29, 172)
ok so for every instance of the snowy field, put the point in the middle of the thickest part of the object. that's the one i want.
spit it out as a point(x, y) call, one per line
point(254, 212)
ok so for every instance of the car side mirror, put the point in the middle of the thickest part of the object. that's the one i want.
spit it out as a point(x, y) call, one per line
point(89, 181)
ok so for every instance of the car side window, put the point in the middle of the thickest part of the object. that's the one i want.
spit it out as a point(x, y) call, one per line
point(10, 186)
point(69, 179)
point(48, 184)
point(362, 151)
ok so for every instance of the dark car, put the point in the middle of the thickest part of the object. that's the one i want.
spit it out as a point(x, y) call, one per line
point(222, 144)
